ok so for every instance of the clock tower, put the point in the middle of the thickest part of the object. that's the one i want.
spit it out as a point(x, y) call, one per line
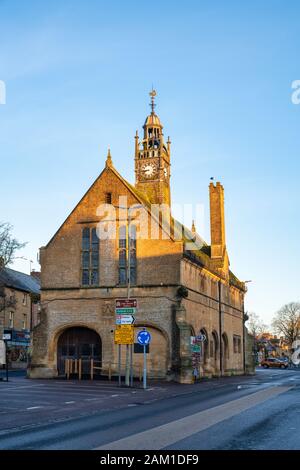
point(152, 160)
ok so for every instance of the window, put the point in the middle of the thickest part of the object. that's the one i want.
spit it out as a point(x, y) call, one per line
point(237, 344)
point(123, 255)
point(107, 198)
point(90, 257)
point(24, 321)
point(133, 254)
point(25, 299)
point(11, 320)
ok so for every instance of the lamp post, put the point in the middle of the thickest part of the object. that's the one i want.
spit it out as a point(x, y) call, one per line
point(244, 339)
point(25, 259)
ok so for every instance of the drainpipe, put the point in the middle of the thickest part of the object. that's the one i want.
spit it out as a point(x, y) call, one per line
point(220, 328)
point(244, 341)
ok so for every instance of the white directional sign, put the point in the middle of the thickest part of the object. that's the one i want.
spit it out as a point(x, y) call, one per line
point(124, 320)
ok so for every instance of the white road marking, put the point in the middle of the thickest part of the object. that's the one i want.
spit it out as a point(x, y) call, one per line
point(162, 436)
point(69, 402)
point(34, 407)
point(20, 386)
point(114, 396)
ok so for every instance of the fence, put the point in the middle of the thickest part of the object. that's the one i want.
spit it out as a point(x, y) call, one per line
point(111, 369)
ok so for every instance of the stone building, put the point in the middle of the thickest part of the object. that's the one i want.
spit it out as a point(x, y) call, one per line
point(19, 312)
point(183, 286)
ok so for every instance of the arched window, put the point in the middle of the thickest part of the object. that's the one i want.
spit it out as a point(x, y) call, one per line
point(90, 257)
point(132, 254)
point(122, 256)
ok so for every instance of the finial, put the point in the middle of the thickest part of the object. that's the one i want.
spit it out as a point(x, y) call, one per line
point(152, 104)
point(193, 227)
point(108, 159)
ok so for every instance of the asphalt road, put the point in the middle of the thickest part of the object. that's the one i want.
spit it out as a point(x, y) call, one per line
point(259, 412)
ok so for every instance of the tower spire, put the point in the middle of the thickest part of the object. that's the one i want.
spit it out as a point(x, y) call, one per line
point(108, 162)
point(152, 104)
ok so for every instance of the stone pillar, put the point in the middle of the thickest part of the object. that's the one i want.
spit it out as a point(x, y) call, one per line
point(185, 371)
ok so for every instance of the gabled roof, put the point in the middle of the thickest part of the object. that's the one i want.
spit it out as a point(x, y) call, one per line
point(19, 281)
point(201, 249)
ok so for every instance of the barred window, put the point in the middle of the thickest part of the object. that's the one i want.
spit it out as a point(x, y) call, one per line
point(107, 198)
point(132, 255)
point(123, 255)
point(90, 257)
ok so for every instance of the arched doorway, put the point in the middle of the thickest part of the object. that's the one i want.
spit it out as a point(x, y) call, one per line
point(225, 351)
point(78, 343)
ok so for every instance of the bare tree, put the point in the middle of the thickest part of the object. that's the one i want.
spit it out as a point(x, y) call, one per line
point(8, 247)
point(287, 322)
point(8, 244)
point(255, 325)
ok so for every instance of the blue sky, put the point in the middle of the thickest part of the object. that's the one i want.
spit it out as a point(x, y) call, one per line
point(77, 76)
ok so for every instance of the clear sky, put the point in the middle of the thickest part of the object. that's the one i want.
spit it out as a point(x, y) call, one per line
point(77, 77)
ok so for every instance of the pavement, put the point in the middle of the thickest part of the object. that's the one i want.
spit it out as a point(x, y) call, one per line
point(248, 412)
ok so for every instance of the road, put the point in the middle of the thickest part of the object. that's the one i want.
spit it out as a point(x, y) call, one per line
point(258, 412)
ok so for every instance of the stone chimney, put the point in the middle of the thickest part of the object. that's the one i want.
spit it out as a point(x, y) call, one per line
point(217, 228)
point(36, 274)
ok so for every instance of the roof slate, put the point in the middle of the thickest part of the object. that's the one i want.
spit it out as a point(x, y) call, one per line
point(20, 281)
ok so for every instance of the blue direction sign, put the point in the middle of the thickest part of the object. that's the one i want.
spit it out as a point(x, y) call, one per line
point(144, 337)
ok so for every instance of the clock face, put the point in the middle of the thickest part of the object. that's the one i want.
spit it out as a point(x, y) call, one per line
point(149, 169)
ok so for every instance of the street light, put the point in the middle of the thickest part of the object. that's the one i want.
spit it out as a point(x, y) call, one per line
point(25, 259)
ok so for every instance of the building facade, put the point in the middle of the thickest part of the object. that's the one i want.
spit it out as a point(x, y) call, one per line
point(19, 312)
point(122, 235)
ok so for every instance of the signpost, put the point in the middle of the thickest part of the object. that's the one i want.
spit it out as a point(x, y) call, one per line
point(125, 320)
point(126, 303)
point(7, 336)
point(144, 339)
point(124, 334)
point(196, 349)
point(125, 309)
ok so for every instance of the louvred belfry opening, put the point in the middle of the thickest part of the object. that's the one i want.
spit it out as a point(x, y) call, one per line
point(152, 160)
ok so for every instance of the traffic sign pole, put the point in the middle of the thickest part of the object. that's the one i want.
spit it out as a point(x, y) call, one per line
point(144, 339)
point(119, 365)
point(6, 360)
point(145, 369)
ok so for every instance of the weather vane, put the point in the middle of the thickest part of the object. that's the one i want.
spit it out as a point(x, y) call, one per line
point(152, 94)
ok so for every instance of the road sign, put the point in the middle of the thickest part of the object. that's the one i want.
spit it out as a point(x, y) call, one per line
point(126, 310)
point(196, 343)
point(7, 335)
point(124, 320)
point(200, 337)
point(144, 337)
point(126, 303)
point(124, 334)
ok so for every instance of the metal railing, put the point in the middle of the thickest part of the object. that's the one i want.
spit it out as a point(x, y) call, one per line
point(110, 369)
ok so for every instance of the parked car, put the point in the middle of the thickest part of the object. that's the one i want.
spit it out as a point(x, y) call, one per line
point(274, 362)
